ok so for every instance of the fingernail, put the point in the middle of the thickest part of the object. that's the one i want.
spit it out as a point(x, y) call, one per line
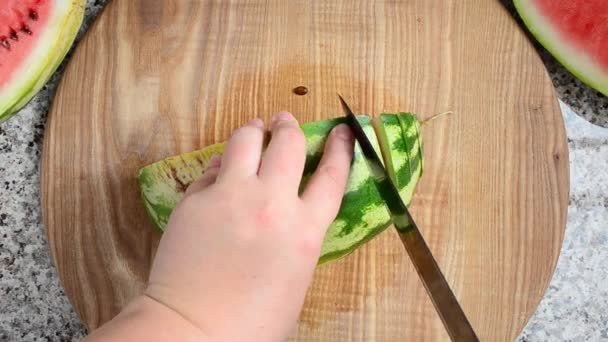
point(282, 116)
point(214, 161)
point(343, 132)
point(257, 123)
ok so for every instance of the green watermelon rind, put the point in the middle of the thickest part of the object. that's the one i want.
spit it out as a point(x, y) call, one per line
point(580, 65)
point(349, 230)
point(413, 143)
point(382, 124)
point(160, 194)
point(405, 168)
point(64, 38)
point(389, 151)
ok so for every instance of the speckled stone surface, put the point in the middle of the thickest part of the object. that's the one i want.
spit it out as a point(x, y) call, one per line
point(33, 306)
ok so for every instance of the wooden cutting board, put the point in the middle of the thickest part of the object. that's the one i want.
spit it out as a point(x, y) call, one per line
point(154, 78)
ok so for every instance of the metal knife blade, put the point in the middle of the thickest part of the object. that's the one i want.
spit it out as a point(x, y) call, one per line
point(438, 289)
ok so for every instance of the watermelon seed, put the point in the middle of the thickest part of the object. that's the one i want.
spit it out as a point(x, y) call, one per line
point(13, 35)
point(26, 29)
point(33, 15)
point(4, 42)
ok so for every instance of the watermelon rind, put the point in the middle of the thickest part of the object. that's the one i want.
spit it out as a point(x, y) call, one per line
point(362, 215)
point(62, 28)
point(400, 136)
point(579, 64)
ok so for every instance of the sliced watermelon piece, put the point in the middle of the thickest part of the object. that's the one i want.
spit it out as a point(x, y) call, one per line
point(575, 32)
point(363, 213)
point(35, 36)
point(399, 136)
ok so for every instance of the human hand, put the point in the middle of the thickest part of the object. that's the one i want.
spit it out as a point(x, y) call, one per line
point(240, 250)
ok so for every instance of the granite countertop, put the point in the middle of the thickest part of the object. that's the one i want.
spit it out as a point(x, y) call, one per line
point(34, 307)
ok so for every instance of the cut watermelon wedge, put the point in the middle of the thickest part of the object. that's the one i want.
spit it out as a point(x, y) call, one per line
point(363, 213)
point(575, 32)
point(35, 36)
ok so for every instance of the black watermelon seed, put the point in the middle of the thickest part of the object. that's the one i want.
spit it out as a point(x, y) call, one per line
point(33, 15)
point(26, 29)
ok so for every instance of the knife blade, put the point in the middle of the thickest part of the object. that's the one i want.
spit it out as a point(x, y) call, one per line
point(438, 289)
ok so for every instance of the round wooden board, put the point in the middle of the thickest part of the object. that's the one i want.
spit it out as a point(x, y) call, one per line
point(154, 78)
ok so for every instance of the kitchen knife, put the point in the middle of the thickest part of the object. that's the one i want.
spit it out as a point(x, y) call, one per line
point(450, 312)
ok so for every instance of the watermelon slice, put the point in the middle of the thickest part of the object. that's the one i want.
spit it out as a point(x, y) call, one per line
point(363, 213)
point(575, 32)
point(35, 36)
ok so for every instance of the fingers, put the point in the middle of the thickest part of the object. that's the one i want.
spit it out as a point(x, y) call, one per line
point(243, 152)
point(208, 178)
point(324, 192)
point(283, 161)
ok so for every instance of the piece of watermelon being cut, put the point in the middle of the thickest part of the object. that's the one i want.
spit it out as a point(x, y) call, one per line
point(575, 32)
point(35, 36)
point(363, 213)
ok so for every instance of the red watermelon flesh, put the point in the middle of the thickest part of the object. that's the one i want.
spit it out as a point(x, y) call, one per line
point(582, 22)
point(19, 20)
point(35, 36)
point(575, 32)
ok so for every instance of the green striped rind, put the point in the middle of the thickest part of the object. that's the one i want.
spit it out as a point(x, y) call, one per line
point(400, 134)
point(388, 130)
point(413, 141)
point(163, 183)
point(362, 215)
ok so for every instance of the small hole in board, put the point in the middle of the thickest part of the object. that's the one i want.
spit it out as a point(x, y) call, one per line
point(301, 90)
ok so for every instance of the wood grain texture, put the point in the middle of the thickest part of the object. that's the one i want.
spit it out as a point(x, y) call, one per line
point(154, 78)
